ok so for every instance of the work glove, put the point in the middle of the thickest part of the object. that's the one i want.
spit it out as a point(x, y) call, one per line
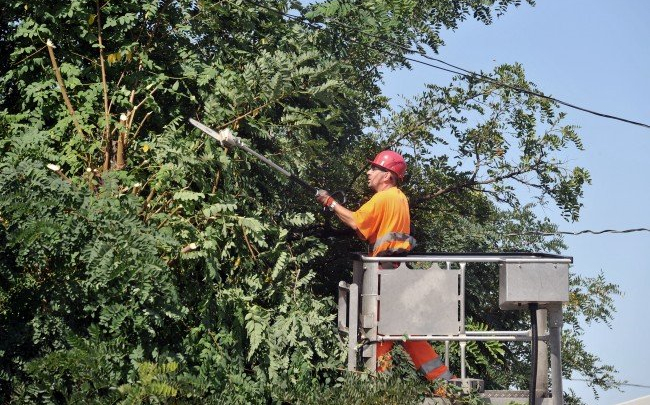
point(324, 197)
point(327, 200)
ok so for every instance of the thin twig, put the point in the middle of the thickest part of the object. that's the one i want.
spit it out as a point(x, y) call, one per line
point(250, 248)
point(251, 112)
point(135, 134)
point(28, 56)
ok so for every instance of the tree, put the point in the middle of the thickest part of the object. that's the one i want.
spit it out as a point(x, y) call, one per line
point(143, 262)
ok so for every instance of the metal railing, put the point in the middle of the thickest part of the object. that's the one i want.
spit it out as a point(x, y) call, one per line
point(407, 312)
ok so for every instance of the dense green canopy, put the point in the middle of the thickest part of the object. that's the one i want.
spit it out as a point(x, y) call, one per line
point(141, 261)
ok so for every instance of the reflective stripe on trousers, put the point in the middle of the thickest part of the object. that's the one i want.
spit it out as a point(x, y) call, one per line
point(434, 369)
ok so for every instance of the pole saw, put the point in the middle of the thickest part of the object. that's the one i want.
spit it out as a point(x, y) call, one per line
point(226, 138)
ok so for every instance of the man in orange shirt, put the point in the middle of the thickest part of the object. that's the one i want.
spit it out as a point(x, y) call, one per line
point(384, 222)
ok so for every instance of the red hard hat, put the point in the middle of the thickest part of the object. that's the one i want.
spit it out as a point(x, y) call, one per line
point(391, 161)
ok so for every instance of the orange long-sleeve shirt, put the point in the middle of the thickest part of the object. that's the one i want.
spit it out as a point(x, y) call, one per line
point(384, 221)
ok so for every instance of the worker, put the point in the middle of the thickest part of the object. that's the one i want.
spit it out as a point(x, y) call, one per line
point(384, 222)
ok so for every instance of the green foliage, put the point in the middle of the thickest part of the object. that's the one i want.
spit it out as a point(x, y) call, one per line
point(87, 371)
point(141, 262)
point(385, 388)
point(483, 354)
point(514, 144)
point(153, 384)
point(590, 300)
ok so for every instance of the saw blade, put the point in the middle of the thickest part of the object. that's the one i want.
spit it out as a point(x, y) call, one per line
point(224, 136)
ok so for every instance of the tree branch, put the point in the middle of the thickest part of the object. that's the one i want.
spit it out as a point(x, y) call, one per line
point(59, 79)
point(471, 183)
point(107, 117)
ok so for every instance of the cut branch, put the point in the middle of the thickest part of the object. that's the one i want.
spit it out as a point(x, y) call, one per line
point(64, 93)
point(121, 142)
point(107, 117)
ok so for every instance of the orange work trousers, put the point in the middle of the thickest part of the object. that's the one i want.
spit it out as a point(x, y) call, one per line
point(424, 357)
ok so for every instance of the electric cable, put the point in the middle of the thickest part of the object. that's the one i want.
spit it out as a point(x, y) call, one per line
point(621, 384)
point(586, 231)
point(460, 71)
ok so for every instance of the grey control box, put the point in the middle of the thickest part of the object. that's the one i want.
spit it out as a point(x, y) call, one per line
point(521, 284)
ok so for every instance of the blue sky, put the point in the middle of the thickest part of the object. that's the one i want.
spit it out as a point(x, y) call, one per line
point(594, 54)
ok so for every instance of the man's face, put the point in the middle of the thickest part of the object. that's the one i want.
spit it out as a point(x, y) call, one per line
point(376, 177)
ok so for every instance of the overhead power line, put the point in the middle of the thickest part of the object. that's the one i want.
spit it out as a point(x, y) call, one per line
point(622, 384)
point(459, 70)
point(586, 231)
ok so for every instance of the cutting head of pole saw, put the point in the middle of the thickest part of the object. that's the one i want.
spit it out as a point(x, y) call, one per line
point(225, 136)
